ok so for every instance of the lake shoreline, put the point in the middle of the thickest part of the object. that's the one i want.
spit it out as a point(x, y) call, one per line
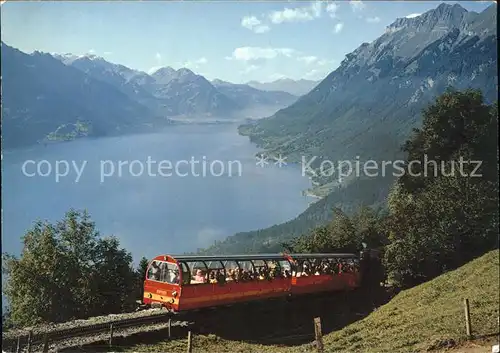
point(178, 214)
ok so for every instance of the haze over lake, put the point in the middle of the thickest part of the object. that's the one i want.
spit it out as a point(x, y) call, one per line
point(151, 213)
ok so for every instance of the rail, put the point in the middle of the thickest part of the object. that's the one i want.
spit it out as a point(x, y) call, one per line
point(43, 338)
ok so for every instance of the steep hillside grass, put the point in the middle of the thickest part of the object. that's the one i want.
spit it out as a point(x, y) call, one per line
point(429, 314)
point(427, 317)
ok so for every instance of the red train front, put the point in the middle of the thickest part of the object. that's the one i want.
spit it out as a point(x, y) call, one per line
point(182, 283)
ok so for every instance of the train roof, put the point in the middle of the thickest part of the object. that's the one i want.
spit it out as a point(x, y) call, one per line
point(228, 257)
point(321, 256)
point(244, 257)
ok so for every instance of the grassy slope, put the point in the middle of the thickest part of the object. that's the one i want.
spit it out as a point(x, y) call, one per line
point(416, 320)
point(420, 317)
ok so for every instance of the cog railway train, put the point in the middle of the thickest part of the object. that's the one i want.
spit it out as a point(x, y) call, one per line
point(184, 283)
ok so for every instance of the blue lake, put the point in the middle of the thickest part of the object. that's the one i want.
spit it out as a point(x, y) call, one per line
point(206, 188)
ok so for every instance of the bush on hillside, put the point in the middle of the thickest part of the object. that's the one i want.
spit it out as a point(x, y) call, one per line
point(67, 271)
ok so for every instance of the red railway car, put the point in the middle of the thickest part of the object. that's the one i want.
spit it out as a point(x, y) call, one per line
point(316, 273)
point(182, 283)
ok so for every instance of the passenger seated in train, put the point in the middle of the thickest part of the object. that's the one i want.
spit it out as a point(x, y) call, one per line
point(220, 277)
point(305, 270)
point(245, 276)
point(260, 274)
point(275, 273)
point(174, 277)
point(211, 277)
point(232, 275)
point(329, 267)
point(200, 277)
point(155, 271)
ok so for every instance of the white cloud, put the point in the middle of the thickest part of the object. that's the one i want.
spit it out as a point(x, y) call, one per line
point(91, 51)
point(325, 62)
point(158, 57)
point(195, 64)
point(250, 68)
point(357, 5)
point(298, 14)
point(108, 53)
point(290, 15)
point(254, 24)
point(311, 73)
point(316, 8)
point(413, 15)
point(308, 59)
point(338, 27)
point(331, 9)
point(256, 53)
point(250, 22)
point(373, 19)
point(261, 29)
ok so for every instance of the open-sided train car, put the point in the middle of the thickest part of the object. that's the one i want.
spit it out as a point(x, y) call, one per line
point(182, 283)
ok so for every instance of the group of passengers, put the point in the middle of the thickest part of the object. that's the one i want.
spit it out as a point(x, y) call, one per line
point(325, 267)
point(274, 272)
point(240, 275)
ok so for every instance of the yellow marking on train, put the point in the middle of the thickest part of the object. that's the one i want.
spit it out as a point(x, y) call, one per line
point(161, 298)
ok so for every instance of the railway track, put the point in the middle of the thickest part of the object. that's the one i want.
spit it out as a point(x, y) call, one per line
point(36, 340)
point(249, 321)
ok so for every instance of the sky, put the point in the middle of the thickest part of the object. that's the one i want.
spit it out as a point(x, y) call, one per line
point(234, 41)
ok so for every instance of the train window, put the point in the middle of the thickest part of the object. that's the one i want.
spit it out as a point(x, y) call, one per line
point(259, 263)
point(246, 265)
point(246, 271)
point(169, 273)
point(186, 275)
point(214, 265)
point(273, 264)
point(285, 268)
point(352, 265)
point(164, 272)
point(232, 270)
point(304, 268)
point(334, 265)
point(315, 266)
point(198, 272)
point(154, 271)
point(261, 271)
point(274, 268)
point(216, 272)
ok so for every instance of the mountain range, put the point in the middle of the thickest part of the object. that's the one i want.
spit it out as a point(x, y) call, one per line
point(63, 96)
point(41, 95)
point(295, 87)
point(367, 108)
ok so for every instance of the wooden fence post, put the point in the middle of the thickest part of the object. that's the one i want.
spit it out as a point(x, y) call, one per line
point(169, 328)
point(18, 349)
point(318, 334)
point(110, 335)
point(190, 343)
point(467, 318)
point(30, 337)
point(46, 343)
